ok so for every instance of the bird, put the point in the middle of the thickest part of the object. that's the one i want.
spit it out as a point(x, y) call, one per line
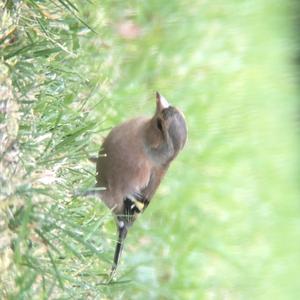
point(132, 161)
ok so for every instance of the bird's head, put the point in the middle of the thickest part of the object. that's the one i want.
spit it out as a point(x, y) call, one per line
point(168, 131)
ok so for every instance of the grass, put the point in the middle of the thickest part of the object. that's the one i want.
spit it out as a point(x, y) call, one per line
point(225, 221)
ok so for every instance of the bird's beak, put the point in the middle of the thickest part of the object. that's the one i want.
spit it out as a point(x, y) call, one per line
point(161, 102)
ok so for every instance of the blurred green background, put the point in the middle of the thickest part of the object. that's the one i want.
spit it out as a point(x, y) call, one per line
point(224, 223)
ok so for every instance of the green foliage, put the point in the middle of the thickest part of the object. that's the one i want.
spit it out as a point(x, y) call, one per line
point(224, 223)
point(47, 235)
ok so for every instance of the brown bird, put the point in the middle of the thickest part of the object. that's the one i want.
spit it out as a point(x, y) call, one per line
point(133, 160)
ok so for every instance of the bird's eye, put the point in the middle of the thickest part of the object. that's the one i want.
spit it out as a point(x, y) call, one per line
point(159, 125)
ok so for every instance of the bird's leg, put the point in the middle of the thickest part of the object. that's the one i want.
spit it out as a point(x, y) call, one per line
point(122, 232)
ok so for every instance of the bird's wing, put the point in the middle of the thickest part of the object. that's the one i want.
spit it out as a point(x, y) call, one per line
point(137, 202)
point(156, 176)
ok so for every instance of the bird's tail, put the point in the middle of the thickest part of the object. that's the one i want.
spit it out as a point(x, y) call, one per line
point(122, 231)
point(93, 159)
point(95, 191)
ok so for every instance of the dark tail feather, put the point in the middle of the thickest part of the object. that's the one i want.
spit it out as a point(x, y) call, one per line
point(95, 191)
point(93, 159)
point(122, 231)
